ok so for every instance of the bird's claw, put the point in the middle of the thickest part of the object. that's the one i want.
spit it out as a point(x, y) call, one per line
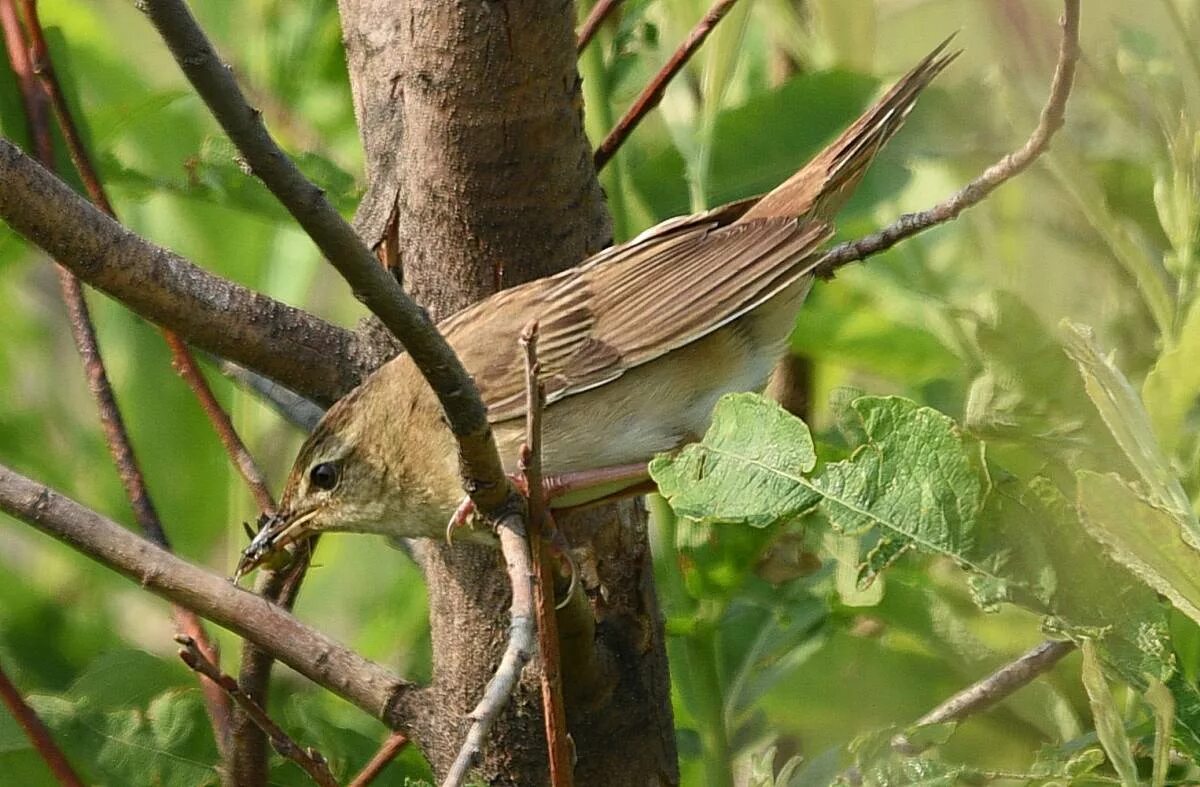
point(558, 543)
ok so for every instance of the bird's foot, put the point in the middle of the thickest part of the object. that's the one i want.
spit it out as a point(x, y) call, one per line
point(560, 548)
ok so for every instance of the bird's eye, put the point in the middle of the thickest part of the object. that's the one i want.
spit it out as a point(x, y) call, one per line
point(324, 475)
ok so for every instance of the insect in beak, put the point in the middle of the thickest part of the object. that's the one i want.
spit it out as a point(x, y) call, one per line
point(275, 532)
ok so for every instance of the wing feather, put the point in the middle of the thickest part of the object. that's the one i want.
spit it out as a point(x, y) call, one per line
point(598, 321)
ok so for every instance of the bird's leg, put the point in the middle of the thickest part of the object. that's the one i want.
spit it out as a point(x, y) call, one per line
point(579, 489)
point(576, 489)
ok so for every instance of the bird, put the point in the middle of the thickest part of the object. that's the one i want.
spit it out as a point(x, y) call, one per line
point(636, 345)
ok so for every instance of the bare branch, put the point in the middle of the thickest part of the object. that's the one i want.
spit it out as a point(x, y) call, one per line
point(309, 759)
point(553, 713)
point(38, 734)
point(391, 747)
point(1052, 118)
point(517, 653)
point(37, 97)
point(1001, 683)
point(301, 412)
point(483, 474)
point(321, 659)
point(653, 92)
point(310, 356)
point(596, 17)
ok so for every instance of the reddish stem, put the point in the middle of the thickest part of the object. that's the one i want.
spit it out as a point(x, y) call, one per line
point(387, 752)
point(553, 712)
point(653, 92)
point(590, 26)
point(35, 728)
point(38, 96)
point(181, 358)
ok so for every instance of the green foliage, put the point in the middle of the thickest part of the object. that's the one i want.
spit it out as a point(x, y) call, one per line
point(1003, 442)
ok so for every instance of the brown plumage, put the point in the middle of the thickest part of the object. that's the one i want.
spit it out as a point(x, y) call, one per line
point(636, 345)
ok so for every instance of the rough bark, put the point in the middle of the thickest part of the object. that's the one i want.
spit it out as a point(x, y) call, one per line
point(470, 116)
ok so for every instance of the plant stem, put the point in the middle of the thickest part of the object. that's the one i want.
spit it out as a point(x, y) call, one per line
point(598, 119)
point(700, 648)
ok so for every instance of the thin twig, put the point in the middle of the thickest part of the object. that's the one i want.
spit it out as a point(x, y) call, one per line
point(595, 18)
point(300, 411)
point(979, 696)
point(309, 759)
point(653, 92)
point(987, 692)
point(326, 662)
point(248, 756)
point(553, 712)
point(515, 547)
point(1000, 683)
point(483, 474)
point(37, 99)
point(38, 734)
point(1052, 118)
point(391, 747)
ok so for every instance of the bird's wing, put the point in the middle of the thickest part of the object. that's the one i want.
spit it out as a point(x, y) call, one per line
point(629, 305)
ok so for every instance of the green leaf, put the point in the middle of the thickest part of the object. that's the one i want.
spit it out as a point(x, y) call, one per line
point(1158, 696)
point(1126, 418)
point(1173, 385)
point(1109, 726)
point(1143, 537)
point(125, 679)
point(748, 470)
point(755, 467)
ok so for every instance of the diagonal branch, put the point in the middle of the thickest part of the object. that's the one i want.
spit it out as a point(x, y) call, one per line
point(653, 92)
point(387, 752)
point(315, 765)
point(1052, 118)
point(308, 355)
point(596, 17)
point(35, 729)
point(482, 472)
point(319, 658)
point(37, 97)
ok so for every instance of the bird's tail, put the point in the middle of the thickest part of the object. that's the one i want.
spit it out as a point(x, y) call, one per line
point(821, 187)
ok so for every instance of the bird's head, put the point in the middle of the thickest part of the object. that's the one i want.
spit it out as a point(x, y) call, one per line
point(368, 467)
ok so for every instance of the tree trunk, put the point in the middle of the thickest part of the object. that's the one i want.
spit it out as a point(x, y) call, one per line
point(481, 178)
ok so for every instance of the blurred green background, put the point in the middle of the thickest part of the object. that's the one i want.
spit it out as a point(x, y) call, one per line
point(1102, 231)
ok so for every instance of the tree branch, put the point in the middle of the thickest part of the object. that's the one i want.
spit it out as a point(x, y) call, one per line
point(38, 734)
point(387, 752)
point(308, 355)
point(1052, 118)
point(553, 714)
point(483, 474)
point(515, 547)
point(301, 412)
point(313, 763)
point(30, 60)
point(1001, 683)
point(653, 92)
point(321, 659)
point(596, 17)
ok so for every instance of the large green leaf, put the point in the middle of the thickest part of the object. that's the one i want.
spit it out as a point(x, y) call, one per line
point(1127, 420)
point(1143, 537)
point(756, 467)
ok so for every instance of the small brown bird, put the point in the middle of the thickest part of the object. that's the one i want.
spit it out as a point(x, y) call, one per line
point(636, 346)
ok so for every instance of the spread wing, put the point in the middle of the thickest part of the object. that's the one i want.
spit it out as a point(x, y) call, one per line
point(631, 304)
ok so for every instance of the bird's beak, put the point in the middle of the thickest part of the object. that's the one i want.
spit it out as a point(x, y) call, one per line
point(275, 532)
